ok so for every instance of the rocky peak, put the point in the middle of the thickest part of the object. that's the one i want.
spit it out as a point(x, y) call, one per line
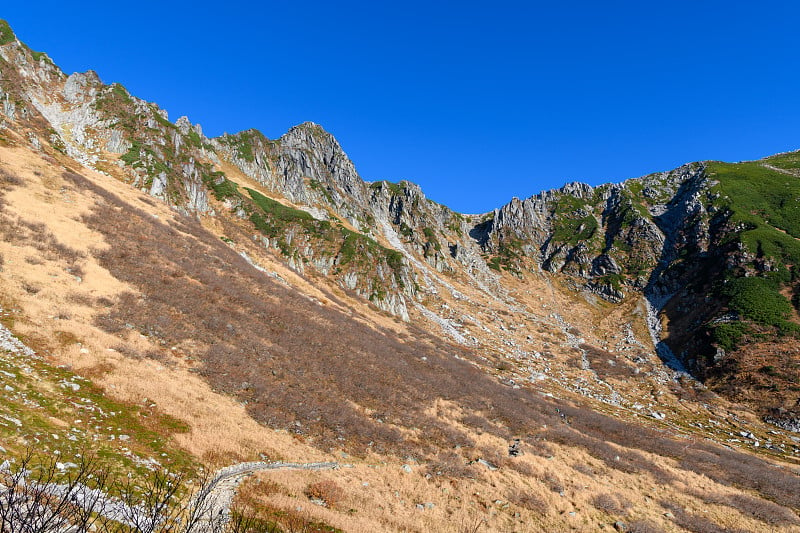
point(185, 127)
point(29, 64)
point(578, 190)
point(324, 148)
point(82, 86)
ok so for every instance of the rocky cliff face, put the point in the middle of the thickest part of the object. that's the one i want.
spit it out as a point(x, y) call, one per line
point(683, 240)
point(714, 257)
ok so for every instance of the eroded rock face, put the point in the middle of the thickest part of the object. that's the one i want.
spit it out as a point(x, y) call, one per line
point(784, 419)
point(592, 234)
point(93, 123)
point(620, 231)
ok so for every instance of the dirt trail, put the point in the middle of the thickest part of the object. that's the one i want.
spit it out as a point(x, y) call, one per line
point(788, 172)
point(213, 502)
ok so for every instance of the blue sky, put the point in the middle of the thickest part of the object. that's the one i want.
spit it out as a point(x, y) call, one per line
point(477, 103)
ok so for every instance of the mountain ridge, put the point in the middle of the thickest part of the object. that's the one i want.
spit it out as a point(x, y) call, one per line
point(607, 240)
point(361, 318)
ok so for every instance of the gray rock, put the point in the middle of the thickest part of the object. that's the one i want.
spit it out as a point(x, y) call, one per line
point(487, 464)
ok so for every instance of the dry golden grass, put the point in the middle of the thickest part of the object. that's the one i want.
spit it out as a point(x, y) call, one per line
point(220, 427)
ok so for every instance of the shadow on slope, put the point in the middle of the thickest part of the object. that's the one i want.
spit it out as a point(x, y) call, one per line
point(343, 384)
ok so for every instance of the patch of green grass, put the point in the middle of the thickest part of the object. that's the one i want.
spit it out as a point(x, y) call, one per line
point(567, 204)
point(352, 246)
point(37, 56)
point(277, 221)
point(632, 208)
point(635, 187)
point(766, 241)
point(277, 210)
point(395, 261)
point(615, 281)
point(360, 250)
point(117, 105)
point(763, 205)
point(119, 90)
point(572, 222)
point(6, 33)
point(406, 230)
point(575, 230)
point(757, 299)
point(395, 189)
point(430, 236)
point(758, 195)
point(194, 139)
point(728, 335)
point(788, 161)
point(144, 157)
point(455, 226)
point(317, 185)
point(221, 186)
point(243, 142)
point(161, 120)
point(510, 256)
point(63, 413)
point(273, 219)
point(133, 154)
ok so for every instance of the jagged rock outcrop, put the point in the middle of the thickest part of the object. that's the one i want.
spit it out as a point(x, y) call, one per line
point(92, 123)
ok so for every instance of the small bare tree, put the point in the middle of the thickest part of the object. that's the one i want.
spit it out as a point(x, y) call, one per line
point(166, 502)
point(40, 495)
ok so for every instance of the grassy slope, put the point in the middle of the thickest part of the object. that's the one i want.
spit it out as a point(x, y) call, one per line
point(764, 214)
point(50, 408)
point(763, 209)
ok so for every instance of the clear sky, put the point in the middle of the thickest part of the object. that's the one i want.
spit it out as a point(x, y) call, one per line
point(475, 101)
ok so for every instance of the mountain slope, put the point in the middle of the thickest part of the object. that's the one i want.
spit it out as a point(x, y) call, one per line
point(260, 299)
point(713, 244)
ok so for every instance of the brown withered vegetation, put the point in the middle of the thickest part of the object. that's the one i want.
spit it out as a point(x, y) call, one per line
point(643, 526)
point(608, 365)
point(8, 180)
point(24, 232)
point(529, 500)
point(452, 465)
point(314, 370)
point(326, 490)
point(696, 523)
point(762, 510)
point(277, 519)
point(613, 504)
